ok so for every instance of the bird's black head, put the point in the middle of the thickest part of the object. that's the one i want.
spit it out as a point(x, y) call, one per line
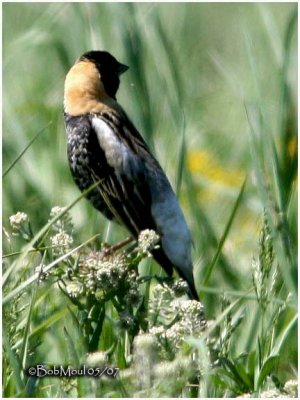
point(109, 68)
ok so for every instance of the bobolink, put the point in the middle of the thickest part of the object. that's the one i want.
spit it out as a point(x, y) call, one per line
point(105, 147)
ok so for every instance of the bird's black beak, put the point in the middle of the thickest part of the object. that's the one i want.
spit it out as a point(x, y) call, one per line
point(122, 68)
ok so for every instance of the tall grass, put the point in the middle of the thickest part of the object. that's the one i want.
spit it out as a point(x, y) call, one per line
point(212, 89)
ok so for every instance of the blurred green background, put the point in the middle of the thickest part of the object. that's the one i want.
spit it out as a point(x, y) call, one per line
point(193, 70)
point(212, 87)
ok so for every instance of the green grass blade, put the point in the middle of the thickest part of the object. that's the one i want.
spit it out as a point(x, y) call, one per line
point(24, 150)
point(45, 325)
point(74, 361)
point(284, 335)
point(73, 358)
point(225, 234)
point(272, 31)
point(23, 353)
point(286, 264)
point(181, 158)
point(266, 369)
point(204, 229)
point(93, 344)
point(14, 362)
point(221, 316)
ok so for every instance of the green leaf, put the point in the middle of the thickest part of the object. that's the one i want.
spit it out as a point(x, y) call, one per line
point(77, 324)
point(280, 341)
point(248, 381)
point(41, 328)
point(225, 234)
point(181, 158)
point(251, 364)
point(121, 360)
point(239, 373)
point(14, 362)
point(93, 344)
point(74, 360)
point(268, 366)
point(24, 349)
point(25, 149)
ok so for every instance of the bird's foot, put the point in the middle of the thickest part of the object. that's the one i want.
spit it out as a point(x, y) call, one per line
point(108, 250)
point(163, 280)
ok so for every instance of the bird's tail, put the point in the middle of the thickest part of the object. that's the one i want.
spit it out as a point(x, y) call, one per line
point(167, 265)
point(192, 292)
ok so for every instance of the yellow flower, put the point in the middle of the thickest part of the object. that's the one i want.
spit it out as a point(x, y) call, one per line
point(292, 147)
point(202, 162)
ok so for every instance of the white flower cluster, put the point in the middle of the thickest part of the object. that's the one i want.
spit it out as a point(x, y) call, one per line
point(152, 377)
point(190, 309)
point(74, 289)
point(151, 374)
point(189, 321)
point(271, 394)
point(191, 313)
point(97, 359)
point(18, 219)
point(160, 311)
point(145, 343)
point(62, 240)
point(109, 275)
point(103, 273)
point(147, 242)
point(159, 332)
point(290, 390)
point(176, 368)
point(55, 211)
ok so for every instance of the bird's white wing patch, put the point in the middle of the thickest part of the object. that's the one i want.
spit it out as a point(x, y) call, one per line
point(116, 152)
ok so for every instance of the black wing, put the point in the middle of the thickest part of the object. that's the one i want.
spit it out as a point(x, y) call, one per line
point(81, 151)
point(124, 188)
